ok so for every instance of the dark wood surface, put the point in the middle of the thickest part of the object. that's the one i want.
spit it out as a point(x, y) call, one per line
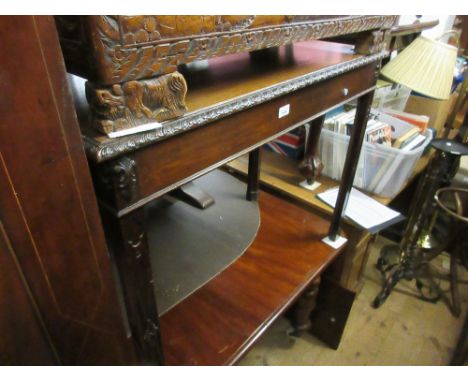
point(24, 340)
point(238, 74)
point(217, 324)
point(282, 175)
point(49, 212)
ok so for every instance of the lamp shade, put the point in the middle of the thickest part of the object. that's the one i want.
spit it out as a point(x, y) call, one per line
point(425, 66)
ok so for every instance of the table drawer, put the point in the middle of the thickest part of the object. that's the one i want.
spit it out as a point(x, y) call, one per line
point(172, 162)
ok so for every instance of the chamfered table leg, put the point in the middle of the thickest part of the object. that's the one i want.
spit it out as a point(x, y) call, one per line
point(131, 255)
point(253, 176)
point(352, 158)
point(117, 184)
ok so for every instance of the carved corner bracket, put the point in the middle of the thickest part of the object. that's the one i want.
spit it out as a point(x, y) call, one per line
point(117, 183)
point(132, 103)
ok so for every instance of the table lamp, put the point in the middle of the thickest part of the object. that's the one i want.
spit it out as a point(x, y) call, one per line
point(427, 67)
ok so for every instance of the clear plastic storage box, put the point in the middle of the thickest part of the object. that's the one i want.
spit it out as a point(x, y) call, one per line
point(381, 170)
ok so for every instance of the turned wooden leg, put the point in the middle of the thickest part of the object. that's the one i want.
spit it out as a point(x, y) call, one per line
point(253, 176)
point(311, 166)
point(352, 158)
point(302, 309)
point(133, 103)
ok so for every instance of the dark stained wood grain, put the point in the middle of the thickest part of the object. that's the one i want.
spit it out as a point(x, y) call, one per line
point(23, 340)
point(217, 324)
point(47, 202)
point(238, 74)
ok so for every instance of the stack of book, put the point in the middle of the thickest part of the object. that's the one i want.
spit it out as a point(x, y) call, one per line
point(391, 148)
point(407, 129)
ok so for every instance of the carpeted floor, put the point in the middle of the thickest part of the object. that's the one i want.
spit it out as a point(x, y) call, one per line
point(403, 331)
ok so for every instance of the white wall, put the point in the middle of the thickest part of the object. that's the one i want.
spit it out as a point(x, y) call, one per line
point(445, 23)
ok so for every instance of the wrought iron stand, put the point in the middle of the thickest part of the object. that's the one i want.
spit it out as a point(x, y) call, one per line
point(413, 257)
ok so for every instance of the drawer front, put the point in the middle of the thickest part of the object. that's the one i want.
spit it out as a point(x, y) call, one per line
point(170, 163)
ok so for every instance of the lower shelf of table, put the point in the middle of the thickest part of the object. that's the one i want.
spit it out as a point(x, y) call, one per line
point(218, 323)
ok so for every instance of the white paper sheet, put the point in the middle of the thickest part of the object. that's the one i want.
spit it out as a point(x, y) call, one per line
point(361, 208)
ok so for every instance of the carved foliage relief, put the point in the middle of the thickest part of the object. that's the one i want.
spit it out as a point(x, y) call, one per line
point(132, 47)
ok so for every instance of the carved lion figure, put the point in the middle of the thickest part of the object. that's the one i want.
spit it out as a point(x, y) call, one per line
point(133, 103)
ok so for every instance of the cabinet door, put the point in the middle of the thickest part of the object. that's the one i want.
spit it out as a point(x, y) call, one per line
point(23, 341)
point(49, 212)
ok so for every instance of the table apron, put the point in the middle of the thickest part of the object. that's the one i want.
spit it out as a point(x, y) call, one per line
point(168, 164)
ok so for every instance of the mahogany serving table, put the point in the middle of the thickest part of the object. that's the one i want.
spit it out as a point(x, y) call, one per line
point(235, 103)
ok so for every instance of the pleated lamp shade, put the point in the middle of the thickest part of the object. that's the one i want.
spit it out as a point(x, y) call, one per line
point(425, 66)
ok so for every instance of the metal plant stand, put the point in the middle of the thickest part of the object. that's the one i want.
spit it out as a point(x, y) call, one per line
point(414, 255)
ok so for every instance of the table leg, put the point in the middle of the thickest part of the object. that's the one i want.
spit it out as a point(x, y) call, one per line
point(253, 176)
point(117, 185)
point(311, 166)
point(131, 255)
point(302, 309)
point(352, 158)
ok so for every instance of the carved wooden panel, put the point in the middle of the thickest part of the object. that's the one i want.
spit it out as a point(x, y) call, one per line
point(124, 48)
point(134, 103)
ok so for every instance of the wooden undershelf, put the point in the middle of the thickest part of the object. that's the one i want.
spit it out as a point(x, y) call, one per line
point(282, 174)
point(218, 323)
